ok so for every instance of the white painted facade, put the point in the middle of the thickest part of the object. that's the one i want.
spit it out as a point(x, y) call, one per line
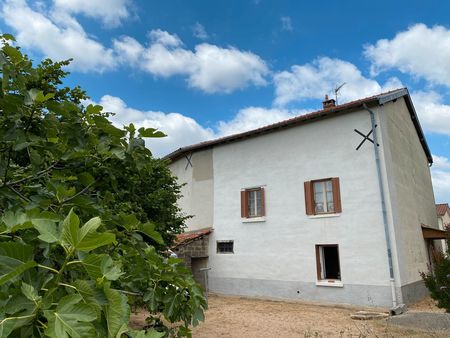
point(274, 256)
point(443, 221)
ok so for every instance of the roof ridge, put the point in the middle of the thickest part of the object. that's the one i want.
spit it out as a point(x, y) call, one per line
point(385, 96)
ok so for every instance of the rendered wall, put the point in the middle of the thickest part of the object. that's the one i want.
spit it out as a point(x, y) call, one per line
point(443, 221)
point(410, 189)
point(198, 195)
point(276, 258)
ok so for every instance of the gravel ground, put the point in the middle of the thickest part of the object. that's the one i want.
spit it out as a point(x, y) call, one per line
point(251, 318)
point(423, 320)
point(243, 317)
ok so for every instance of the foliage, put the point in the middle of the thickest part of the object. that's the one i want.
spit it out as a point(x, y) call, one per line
point(437, 280)
point(61, 162)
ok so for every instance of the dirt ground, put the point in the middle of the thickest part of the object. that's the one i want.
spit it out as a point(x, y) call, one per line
point(244, 317)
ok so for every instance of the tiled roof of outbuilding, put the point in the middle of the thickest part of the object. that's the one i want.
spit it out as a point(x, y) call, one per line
point(187, 237)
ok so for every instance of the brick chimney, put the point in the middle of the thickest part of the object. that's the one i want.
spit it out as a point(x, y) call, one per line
point(328, 103)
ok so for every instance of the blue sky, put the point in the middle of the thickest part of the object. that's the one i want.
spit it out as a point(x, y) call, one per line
point(204, 69)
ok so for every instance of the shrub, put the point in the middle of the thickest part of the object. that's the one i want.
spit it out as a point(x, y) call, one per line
point(62, 162)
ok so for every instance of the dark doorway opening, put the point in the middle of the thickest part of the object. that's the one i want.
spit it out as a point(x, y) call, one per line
point(331, 258)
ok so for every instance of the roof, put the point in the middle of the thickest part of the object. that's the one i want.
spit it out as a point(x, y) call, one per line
point(188, 237)
point(442, 208)
point(371, 101)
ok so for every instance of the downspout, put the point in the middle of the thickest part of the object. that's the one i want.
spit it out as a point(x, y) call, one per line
point(383, 206)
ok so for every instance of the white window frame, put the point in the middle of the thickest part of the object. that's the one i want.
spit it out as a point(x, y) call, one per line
point(324, 196)
point(255, 204)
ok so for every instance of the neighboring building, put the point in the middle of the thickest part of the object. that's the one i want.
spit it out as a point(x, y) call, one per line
point(308, 208)
point(443, 213)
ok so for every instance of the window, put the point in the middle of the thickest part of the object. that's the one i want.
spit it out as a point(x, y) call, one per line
point(323, 196)
point(225, 247)
point(327, 260)
point(252, 203)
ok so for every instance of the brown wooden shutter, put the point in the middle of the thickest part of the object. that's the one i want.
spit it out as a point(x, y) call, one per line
point(309, 198)
point(336, 195)
point(318, 267)
point(263, 203)
point(244, 204)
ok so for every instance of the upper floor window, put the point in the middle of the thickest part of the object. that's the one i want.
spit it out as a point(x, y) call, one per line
point(322, 196)
point(252, 203)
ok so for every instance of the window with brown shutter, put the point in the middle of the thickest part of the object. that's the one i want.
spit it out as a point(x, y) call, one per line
point(253, 203)
point(322, 196)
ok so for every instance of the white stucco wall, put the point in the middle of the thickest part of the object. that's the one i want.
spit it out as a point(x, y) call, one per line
point(276, 257)
point(445, 219)
point(410, 190)
point(283, 247)
point(198, 195)
point(442, 220)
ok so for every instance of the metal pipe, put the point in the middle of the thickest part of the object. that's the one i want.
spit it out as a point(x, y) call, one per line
point(383, 206)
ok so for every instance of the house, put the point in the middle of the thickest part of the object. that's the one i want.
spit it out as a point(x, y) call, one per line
point(333, 206)
point(443, 213)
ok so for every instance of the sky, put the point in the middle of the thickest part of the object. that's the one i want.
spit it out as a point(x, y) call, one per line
point(202, 69)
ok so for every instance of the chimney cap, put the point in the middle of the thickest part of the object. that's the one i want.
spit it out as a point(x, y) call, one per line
point(328, 103)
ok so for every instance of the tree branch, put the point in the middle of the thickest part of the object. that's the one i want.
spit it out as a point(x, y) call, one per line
point(86, 188)
point(18, 193)
point(37, 175)
point(7, 166)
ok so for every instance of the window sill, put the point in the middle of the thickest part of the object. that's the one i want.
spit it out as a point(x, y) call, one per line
point(333, 283)
point(324, 215)
point(253, 219)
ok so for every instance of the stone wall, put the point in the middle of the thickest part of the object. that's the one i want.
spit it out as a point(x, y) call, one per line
point(198, 248)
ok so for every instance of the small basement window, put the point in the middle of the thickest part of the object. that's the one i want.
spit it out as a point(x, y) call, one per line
point(328, 267)
point(225, 247)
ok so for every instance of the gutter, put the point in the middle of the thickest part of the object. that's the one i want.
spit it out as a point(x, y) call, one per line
point(383, 206)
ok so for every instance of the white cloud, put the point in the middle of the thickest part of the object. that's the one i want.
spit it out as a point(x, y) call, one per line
point(286, 23)
point(254, 117)
point(180, 130)
point(440, 172)
point(110, 12)
point(128, 49)
point(420, 50)
point(441, 162)
point(158, 36)
point(209, 68)
point(434, 115)
point(199, 31)
point(314, 80)
point(57, 36)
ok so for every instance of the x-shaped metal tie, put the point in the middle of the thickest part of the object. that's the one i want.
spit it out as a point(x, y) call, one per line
point(188, 158)
point(366, 137)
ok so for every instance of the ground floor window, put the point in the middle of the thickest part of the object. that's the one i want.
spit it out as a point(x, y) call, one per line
point(327, 258)
point(225, 247)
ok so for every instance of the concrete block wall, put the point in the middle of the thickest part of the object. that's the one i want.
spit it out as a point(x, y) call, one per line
point(195, 249)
